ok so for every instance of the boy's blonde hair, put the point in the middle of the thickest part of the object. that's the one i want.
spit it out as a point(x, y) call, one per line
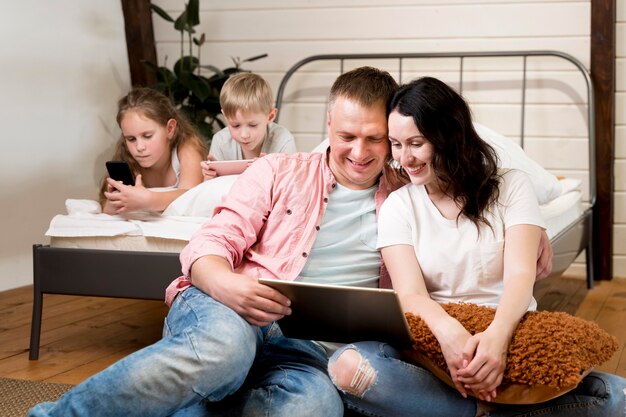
point(247, 92)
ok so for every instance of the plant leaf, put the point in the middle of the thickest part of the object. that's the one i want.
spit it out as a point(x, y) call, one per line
point(200, 42)
point(197, 85)
point(213, 68)
point(182, 23)
point(186, 63)
point(193, 12)
point(161, 12)
point(254, 58)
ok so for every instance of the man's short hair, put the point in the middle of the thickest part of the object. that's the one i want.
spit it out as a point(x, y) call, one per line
point(247, 92)
point(365, 85)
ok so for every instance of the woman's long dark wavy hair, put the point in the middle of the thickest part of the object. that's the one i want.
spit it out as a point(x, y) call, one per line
point(465, 165)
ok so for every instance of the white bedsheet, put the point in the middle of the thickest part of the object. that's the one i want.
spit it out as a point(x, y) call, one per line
point(85, 227)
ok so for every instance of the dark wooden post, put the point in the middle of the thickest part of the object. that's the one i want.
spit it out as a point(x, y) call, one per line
point(603, 76)
point(139, 40)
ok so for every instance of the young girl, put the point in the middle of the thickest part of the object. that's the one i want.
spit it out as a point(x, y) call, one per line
point(163, 150)
point(461, 231)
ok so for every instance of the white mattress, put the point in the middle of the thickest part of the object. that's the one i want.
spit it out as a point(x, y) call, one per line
point(132, 243)
point(83, 229)
point(562, 211)
point(142, 232)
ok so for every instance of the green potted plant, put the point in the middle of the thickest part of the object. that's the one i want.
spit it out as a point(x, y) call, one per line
point(193, 87)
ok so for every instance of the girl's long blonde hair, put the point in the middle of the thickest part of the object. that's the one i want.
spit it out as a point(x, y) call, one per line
point(158, 107)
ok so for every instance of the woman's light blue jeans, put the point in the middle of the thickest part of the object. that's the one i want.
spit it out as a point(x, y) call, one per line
point(402, 389)
point(210, 362)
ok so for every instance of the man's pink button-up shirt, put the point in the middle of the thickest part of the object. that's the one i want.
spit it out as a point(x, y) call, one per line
point(266, 225)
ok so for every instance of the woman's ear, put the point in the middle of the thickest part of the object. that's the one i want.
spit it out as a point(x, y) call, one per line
point(171, 128)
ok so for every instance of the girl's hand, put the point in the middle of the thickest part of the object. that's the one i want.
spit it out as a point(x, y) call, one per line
point(207, 172)
point(484, 361)
point(126, 198)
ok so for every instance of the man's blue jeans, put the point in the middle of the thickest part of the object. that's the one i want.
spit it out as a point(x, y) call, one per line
point(210, 362)
point(402, 389)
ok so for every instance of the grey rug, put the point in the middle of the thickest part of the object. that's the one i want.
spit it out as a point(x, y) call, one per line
point(18, 396)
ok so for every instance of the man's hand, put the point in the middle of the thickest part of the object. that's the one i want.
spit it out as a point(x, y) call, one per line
point(544, 257)
point(257, 303)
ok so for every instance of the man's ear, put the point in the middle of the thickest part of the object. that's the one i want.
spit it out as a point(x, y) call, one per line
point(171, 128)
point(272, 115)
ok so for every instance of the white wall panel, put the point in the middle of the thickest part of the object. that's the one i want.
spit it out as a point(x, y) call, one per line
point(620, 108)
point(176, 5)
point(620, 175)
point(620, 69)
point(619, 265)
point(620, 141)
point(392, 22)
point(620, 32)
point(620, 207)
point(283, 54)
point(619, 239)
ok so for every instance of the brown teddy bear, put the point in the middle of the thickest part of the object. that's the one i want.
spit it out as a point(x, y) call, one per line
point(549, 354)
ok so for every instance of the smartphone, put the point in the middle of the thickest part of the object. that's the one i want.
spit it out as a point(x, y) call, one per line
point(229, 167)
point(120, 171)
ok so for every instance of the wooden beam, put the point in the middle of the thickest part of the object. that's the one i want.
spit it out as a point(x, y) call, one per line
point(139, 40)
point(603, 75)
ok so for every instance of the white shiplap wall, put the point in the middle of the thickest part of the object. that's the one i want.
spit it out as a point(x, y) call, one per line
point(290, 31)
point(619, 229)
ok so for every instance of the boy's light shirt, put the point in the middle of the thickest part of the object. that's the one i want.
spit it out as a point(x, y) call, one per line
point(277, 140)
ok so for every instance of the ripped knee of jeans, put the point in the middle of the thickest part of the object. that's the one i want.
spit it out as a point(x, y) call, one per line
point(351, 373)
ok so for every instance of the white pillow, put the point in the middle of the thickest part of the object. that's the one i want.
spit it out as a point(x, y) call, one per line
point(201, 199)
point(547, 186)
point(321, 147)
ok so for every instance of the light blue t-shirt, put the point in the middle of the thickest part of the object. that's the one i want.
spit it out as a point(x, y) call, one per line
point(344, 252)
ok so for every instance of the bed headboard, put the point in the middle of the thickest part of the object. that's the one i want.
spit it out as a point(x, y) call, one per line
point(543, 100)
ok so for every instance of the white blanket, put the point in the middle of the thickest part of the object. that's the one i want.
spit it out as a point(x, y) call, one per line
point(180, 220)
point(83, 221)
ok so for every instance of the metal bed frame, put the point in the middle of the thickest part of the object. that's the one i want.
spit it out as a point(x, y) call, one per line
point(569, 243)
point(145, 275)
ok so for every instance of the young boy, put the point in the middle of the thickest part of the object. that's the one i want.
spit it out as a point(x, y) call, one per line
point(247, 105)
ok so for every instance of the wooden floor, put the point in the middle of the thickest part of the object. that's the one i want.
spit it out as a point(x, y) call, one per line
point(83, 335)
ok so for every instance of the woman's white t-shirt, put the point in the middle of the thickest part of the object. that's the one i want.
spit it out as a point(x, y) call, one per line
point(457, 263)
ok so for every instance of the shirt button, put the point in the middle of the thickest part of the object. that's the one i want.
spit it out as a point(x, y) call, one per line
point(317, 228)
point(304, 254)
point(288, 211)
point(334, 185)
point(325, 199)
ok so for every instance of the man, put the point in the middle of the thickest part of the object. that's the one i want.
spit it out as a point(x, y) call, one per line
point(305, 216)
